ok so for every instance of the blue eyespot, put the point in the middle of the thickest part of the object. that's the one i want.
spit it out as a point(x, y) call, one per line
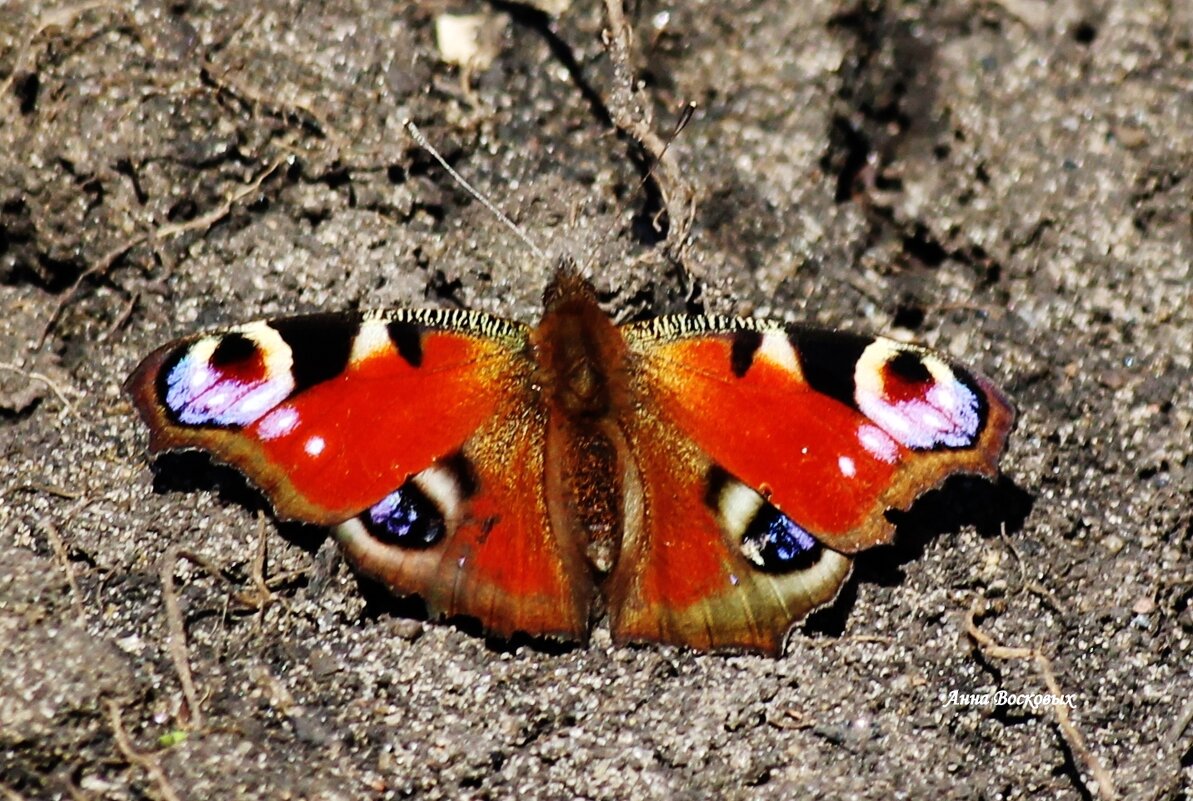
point(406, 518)
point(775, 543)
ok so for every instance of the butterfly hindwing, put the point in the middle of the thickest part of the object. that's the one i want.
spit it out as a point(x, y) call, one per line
point(408, 421)
point(706, 561)
point(491, 552)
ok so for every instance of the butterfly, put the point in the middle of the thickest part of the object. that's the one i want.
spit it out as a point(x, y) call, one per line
point(701, 480)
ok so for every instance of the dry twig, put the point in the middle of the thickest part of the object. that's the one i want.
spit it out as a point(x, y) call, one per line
point(121, 319)
point(258, 598)
point(49, 489)
point(147, 762)
point(58, 18)
point(10, 794)
point(163, 232)
point(1181, 723)
point(1076, 743)
point(258, 570)
point(49, 382)
point(59, 548)
point(632, 115)
point(176, 637)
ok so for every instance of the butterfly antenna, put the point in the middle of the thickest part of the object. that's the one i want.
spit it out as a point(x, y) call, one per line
point(685, 117)
point(422, 142)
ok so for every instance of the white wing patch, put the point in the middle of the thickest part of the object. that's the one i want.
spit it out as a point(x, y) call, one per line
point(199, 392)
point(937, 410)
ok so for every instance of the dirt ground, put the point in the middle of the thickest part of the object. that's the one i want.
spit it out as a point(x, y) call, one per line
point(1008, 180)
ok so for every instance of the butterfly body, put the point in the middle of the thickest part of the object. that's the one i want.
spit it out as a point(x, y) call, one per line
point(707, 477)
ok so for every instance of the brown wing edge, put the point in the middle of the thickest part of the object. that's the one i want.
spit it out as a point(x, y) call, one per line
point(224, 446)
point(367, 558)
point(762, 634)
point(928, 470)
point(768, 638)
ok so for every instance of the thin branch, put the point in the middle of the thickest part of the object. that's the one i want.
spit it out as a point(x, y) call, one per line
point(632, 115)
point(57, 492)
point(121, 319)
point(59, 548)
point(164, 232)
point(259, 561)
point(258, 598)
point(49, 382)
point(147, 762)
point(1076, 743)
point(1180, 724)
point(176, 637)
point(10, 794)
point(58, 18)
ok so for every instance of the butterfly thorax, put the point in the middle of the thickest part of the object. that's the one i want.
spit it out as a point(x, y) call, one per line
point(580, 357)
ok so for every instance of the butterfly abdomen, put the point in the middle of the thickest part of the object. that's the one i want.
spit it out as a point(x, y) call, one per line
point(580, 356)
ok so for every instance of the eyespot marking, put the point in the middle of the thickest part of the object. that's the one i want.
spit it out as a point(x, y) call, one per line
point(406, 518)
point(773, 542)
point(237, 353)
point(907, 368)
point(768, 539)
point(917, 398)
point(227, 380)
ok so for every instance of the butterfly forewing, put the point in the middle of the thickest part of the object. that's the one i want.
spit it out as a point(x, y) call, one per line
point(328, 413)
point(833, 428)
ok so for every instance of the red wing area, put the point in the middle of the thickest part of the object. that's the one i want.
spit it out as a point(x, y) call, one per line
point(680, 577)
point(498, 560)
point(329, 413)
point(355, 437)
point(746, 398)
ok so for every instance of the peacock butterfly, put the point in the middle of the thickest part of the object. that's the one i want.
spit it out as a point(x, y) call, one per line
point(709, 477)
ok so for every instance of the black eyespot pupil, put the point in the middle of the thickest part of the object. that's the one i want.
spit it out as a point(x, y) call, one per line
point(405, 517)
point(909, 367)
point(779, 543)
point(233, 349)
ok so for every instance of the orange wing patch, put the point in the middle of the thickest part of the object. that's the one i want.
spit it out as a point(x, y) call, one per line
point(814, 457)
point(350, 440)
point(498, 560)
point(682, 577)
